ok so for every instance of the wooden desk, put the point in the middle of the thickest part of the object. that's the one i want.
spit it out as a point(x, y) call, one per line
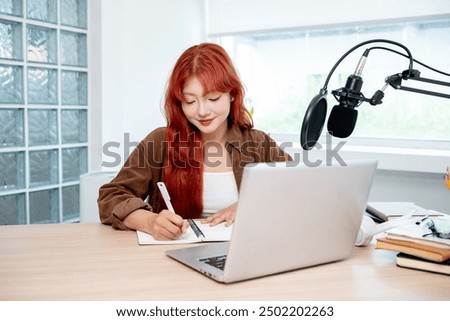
point(95, 262)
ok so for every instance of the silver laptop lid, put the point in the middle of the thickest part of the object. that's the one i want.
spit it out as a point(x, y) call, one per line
point(291, 216)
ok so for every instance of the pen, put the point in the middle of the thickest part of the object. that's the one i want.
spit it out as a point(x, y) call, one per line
point(165, 195)
point(195, 228)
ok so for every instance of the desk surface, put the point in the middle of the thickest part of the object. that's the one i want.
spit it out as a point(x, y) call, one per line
point(95, 262)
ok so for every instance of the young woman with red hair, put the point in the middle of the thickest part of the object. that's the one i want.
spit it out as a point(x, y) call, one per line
point(199, 155)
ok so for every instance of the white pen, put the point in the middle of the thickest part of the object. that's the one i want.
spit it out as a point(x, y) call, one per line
point(165, 195)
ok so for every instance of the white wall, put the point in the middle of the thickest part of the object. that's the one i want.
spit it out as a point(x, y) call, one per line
point(235, 16)
point(425, 189)
point(133, 46)
point(156, 34)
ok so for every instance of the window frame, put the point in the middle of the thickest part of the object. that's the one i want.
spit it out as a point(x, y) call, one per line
point(57, 188)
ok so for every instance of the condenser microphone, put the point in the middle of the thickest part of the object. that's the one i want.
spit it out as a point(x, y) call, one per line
point(342, 119)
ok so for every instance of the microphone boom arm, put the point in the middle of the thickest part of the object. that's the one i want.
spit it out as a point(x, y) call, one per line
point(395, 81)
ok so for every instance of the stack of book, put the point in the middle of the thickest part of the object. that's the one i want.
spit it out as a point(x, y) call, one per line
point(417, 248)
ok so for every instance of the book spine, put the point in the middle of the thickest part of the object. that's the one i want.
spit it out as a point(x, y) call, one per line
point(436, 257)
point(418, 264)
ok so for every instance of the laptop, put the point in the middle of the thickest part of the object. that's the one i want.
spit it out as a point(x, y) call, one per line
point(289, 216)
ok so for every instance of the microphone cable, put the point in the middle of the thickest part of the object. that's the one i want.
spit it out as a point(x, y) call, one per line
point(411, 60)
point(416, 61)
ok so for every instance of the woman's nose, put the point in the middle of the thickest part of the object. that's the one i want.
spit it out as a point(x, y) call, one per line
point(203, 109)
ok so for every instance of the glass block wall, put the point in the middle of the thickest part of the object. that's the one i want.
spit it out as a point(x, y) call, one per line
point(43, 109)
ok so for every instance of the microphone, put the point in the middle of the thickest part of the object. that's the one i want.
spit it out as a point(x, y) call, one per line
point(342, 119)
point(343, 116)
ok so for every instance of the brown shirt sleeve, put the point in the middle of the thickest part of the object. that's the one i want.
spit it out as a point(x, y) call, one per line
point(135, 181)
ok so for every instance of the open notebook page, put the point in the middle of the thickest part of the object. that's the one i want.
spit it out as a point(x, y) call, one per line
point(212, 234)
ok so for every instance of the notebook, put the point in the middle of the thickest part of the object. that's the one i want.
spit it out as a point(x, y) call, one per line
point(289, 216)
point(215, 233)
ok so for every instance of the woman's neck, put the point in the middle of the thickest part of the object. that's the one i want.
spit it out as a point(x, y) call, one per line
point(217, 137)
point(216, 158)
point(215, 155)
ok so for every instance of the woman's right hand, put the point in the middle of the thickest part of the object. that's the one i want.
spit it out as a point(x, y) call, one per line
point(163, 226)
point(167, 225)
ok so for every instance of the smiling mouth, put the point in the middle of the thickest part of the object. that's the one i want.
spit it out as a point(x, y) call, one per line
point(205, 122)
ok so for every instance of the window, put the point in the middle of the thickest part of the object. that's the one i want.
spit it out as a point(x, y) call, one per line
point(43, 109)
point(283, 71)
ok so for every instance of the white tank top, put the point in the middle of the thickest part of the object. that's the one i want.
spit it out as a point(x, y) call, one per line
point(219, 191)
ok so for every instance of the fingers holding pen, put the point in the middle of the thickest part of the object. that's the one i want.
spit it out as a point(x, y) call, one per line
point(168, 226)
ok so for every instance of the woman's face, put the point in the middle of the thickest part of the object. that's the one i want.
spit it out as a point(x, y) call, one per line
point(206, 111)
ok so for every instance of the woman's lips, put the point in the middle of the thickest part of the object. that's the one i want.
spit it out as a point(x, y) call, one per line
point(205, 122)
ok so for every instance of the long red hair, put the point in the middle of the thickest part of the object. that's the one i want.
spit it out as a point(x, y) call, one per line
point(183, 171)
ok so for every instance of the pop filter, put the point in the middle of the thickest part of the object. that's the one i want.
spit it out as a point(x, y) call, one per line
point(314, 120)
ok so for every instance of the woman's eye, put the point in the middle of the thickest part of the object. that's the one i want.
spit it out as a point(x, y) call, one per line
point(190, 102)
point(214, 99)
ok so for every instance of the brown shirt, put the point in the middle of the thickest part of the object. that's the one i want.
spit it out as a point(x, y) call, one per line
point(134, 187)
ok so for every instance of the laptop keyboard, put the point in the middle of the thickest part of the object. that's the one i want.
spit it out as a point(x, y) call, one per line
point(216, 261)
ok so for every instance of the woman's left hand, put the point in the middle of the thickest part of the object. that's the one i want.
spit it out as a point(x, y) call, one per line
point(226, 215)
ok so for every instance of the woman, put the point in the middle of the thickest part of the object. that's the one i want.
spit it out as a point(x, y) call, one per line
point(200, 155)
